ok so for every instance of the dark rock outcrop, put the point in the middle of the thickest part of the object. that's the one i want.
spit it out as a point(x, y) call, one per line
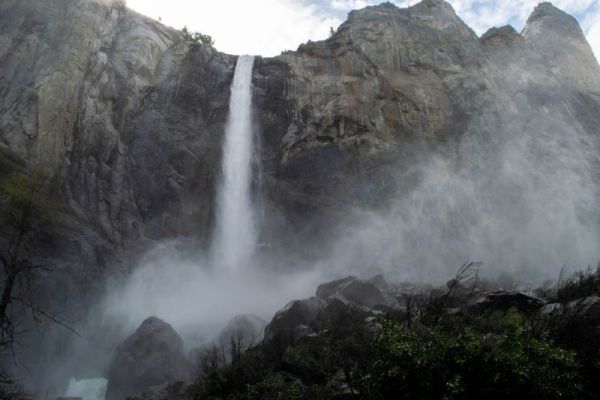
point(294, 318)
point(370, 299)
point(503, 301)
point(152, 356)
point(367, 298)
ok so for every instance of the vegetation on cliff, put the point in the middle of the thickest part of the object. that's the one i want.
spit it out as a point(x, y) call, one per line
point(28, 204)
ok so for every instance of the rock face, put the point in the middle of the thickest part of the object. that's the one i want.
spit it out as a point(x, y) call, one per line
point(128, 115)
point(123, 111)
point(152, 356)
point(340, 118)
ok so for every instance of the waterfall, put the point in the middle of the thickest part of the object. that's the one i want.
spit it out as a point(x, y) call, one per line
point(235, 235)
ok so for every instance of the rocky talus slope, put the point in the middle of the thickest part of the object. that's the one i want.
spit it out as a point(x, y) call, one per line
point(318, 346)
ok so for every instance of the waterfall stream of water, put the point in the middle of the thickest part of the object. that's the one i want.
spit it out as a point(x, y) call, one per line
point(235, 234)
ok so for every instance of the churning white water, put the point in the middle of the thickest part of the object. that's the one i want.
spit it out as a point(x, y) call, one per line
point(87, 389)
point(235, 235)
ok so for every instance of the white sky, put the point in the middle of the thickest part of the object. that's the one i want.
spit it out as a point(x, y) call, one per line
point(267, 27)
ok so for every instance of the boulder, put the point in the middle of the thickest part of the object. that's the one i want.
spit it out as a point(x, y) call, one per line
point(503, 300)
point(152, 356)
point(372, 293)
point(587, 307)
point(328, 289)
point(364, 294)
point(296, 314)
point(369, 297)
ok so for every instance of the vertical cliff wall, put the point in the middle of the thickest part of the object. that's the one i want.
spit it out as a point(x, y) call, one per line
point(128, 117)
point(123, 112)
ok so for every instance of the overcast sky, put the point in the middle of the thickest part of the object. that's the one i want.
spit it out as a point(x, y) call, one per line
point(267, 27)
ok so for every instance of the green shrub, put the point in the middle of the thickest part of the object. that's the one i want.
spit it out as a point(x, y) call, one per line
point(10, 163)
point(436, 364)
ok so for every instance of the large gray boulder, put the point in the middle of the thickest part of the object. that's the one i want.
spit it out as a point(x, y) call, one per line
point(152, 356)
point(293, 319)
point(367, 297)
point(370, 294)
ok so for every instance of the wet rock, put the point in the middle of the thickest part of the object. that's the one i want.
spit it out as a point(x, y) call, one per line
point(328, 289)
point(152, 356)
point(587, 308)
point(503, 301)
point(298, 313)
point(365, 293)
point(364, 298)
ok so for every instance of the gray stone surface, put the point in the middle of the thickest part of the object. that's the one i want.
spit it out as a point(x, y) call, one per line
point(129, 117)
point(368, 298)
point(125, 114)
point(152, 356)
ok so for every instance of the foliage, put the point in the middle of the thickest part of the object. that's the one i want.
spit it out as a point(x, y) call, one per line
point(25, 200)
point(438, 364)
point(197, 38)
point(11, 389)
point(9, 162)
point(435, 349)
point(26, 206)
point(579, 285)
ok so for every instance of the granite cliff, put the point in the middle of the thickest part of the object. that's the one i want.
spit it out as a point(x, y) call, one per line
point(128, 116)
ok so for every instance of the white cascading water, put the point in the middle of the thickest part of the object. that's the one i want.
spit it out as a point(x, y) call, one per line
point(235, 235)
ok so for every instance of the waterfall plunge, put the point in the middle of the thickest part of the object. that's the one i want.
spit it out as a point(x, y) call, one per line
point(235, 235)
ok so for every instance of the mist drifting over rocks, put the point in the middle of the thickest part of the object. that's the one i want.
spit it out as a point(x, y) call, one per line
point(403, 145)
